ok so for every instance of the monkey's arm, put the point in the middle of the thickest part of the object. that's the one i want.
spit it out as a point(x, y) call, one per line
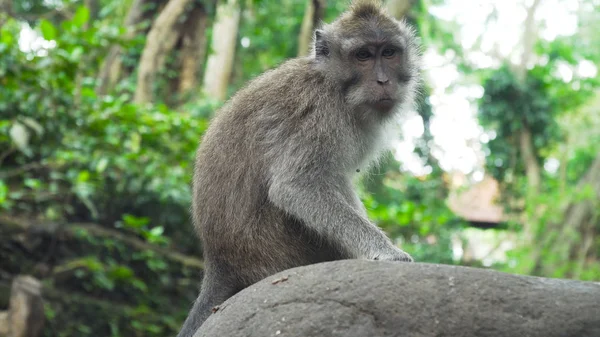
point(322, 200)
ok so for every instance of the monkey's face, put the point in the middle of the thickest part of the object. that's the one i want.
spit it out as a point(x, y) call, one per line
point(378, 74)
point(372, 56)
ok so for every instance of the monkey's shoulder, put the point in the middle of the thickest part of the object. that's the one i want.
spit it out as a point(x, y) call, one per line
point(290, 93)
point(294, 80)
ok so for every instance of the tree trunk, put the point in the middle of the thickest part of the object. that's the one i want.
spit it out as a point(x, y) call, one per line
point(5, 10)
point(576, 231)
point(224, 41)
point(583, 217)
point(94, 8)
point(532, 167)
point(313, 15)
point(193, 49)
point(25, 317)
point(527, 150)
point(160, 40)
point(111, 69)
point(398, 8)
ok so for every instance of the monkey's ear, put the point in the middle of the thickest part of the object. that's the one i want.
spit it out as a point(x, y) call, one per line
point(321, 45)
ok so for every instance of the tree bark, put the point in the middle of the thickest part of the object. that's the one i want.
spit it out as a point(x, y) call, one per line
point(94, 7)
point(527, 150)
point(398, 8)
point(110, 71)
point(160, 40)
point(532, 166)
point(3, 323)
point(15, 226)
point(224, 40)
point(582, 217)
point(313, 15)
point(5, 10)
point(576, 231)
point(26, 310)
point(193, 50)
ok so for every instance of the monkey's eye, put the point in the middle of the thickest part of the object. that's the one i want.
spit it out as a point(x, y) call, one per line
point(388, 52)
point(363, 55)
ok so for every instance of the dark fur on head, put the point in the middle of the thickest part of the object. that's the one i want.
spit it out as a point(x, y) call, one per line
point(365, 9)
point(369, 15)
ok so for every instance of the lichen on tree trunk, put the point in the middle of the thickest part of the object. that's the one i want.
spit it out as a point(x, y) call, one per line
point(193, 49)
point(224, 40)
point(111, 69)
point(161, 39)
point(313, 15)
point(399, 8)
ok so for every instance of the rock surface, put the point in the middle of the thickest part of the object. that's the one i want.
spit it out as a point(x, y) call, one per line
point(355, 298)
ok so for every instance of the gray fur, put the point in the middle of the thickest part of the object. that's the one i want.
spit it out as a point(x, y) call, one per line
point(272, 183)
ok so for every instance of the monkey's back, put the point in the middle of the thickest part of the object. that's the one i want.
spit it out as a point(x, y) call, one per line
point(231, 209)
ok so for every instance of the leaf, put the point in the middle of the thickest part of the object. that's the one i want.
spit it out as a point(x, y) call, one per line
point(139, 284)
point(3, 192)
point(89, 93)
point(102, 164)
point(83, 176)
point(48, 30)
point(135, 222)
point(6, 37)
point(82, 15)
point(75, 55)
point(121, 273)
point(104, 282)
point(19, 135)
point(91, 263)
point(157, 231)
point(32, 183)
point(135, 142)
point(33, 124)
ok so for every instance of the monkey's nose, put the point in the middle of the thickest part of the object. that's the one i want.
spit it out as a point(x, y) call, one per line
point(383, 81)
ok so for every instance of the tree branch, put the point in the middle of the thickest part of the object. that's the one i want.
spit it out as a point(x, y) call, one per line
point(13, 225)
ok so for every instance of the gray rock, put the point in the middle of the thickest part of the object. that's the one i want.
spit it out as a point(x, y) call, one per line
point(355, 298)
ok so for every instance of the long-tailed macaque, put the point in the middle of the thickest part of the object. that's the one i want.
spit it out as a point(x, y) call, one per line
point(272, 183)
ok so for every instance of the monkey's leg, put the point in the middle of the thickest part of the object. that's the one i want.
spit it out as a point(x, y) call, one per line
point(214, 292)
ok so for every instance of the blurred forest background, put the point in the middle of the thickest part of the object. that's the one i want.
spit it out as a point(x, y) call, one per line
point(103, 102)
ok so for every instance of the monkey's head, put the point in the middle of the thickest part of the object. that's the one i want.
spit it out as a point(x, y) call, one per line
point(371, 55)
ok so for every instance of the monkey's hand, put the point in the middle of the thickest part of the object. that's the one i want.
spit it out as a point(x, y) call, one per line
point(395, 254)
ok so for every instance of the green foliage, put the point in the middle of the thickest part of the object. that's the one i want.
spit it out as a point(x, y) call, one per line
point(268, 37)
point(48, 30)
point(551, 93)
point(3, 194)
point(67, 154)
point(413, 209)
point(98, 152)
point(139, 225)
point(507, 107)
point(433, 31)
point(510, 105)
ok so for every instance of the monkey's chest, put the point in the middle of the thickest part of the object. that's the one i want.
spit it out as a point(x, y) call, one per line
point(365, 152)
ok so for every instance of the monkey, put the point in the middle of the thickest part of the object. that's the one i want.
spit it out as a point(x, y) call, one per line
point(272, 186)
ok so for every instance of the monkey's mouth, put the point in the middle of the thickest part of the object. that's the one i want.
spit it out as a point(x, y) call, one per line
point(384, 104)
